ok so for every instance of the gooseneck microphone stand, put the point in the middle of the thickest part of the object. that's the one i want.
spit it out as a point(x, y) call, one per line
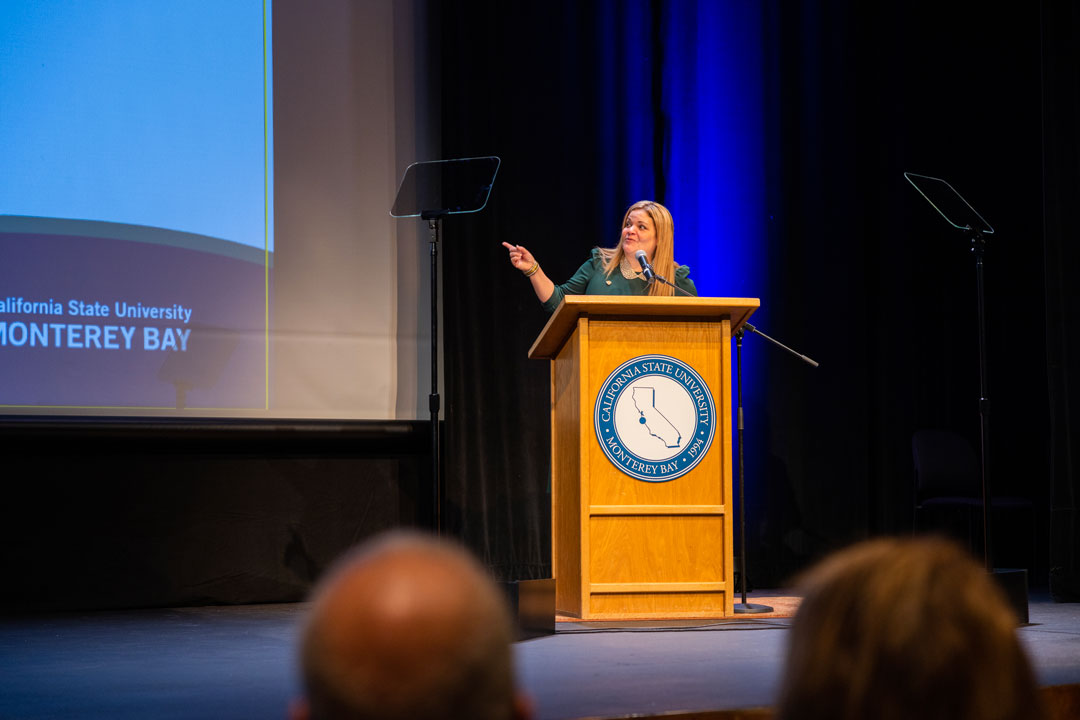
point(744, 607)
point(660, 278)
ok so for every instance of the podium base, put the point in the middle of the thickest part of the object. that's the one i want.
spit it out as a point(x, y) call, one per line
point(532, 604)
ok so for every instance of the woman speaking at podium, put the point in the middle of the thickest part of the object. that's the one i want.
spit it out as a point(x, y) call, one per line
point(647, 227)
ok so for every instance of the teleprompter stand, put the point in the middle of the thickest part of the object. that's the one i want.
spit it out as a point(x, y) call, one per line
point(959, 213)
point(431, 191)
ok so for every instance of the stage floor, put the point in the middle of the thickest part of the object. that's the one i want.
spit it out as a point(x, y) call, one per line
point(238, 662)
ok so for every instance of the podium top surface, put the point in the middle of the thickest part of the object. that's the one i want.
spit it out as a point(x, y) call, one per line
point(564, 319)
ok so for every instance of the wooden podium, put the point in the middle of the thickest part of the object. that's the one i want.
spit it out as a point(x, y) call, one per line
point(635, 534)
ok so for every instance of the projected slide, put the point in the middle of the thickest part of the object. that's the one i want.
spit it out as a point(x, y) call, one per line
point(136, 237)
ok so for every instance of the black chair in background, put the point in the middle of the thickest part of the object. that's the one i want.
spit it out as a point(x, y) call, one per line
point(948, 484)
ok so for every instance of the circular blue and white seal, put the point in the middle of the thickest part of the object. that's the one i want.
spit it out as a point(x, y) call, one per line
point(655, 418)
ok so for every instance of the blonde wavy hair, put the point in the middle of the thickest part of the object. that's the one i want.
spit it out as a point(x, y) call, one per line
point(663, 260)
point(894, 629)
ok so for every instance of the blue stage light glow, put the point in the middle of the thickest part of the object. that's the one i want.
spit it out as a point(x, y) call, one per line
point(712, 124)
point(626, 145)
point(713, 101)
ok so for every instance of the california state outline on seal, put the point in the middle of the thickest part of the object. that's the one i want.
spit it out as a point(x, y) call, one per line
point(655, 418)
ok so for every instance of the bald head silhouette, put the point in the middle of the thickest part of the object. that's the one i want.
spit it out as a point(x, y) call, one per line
point(408, 627)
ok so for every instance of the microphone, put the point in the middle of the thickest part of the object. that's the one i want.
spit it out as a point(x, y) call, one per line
point(646, 268)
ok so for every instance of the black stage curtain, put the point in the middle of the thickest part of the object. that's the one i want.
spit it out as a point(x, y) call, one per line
point(870, 281)
point(504, 94)
point(1061, 95)
point(864, 277)
point(143, 513)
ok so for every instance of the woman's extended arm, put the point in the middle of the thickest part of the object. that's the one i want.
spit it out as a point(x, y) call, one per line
point(524, 261)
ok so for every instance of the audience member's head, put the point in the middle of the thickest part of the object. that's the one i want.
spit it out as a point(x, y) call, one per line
point(408, 627)
point(902, 629)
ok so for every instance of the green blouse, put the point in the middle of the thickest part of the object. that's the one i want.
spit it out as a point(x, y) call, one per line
point(590, 280)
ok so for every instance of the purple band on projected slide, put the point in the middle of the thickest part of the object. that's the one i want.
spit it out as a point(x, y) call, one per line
point(104, 316)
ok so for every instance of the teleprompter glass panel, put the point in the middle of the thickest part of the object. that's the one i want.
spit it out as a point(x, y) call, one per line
point(445, 187)
point(949, 203)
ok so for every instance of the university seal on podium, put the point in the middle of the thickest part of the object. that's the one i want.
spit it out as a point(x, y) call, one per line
point(655, 418)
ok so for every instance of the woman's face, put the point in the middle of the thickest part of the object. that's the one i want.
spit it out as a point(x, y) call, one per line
point(639, 234)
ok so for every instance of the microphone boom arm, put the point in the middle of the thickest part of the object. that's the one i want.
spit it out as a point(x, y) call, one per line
point(664, 280)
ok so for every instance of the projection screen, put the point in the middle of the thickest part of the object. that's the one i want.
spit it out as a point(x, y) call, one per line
point(194, 208)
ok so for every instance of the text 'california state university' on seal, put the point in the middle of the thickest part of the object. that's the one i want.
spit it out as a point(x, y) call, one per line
point(655, 418)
